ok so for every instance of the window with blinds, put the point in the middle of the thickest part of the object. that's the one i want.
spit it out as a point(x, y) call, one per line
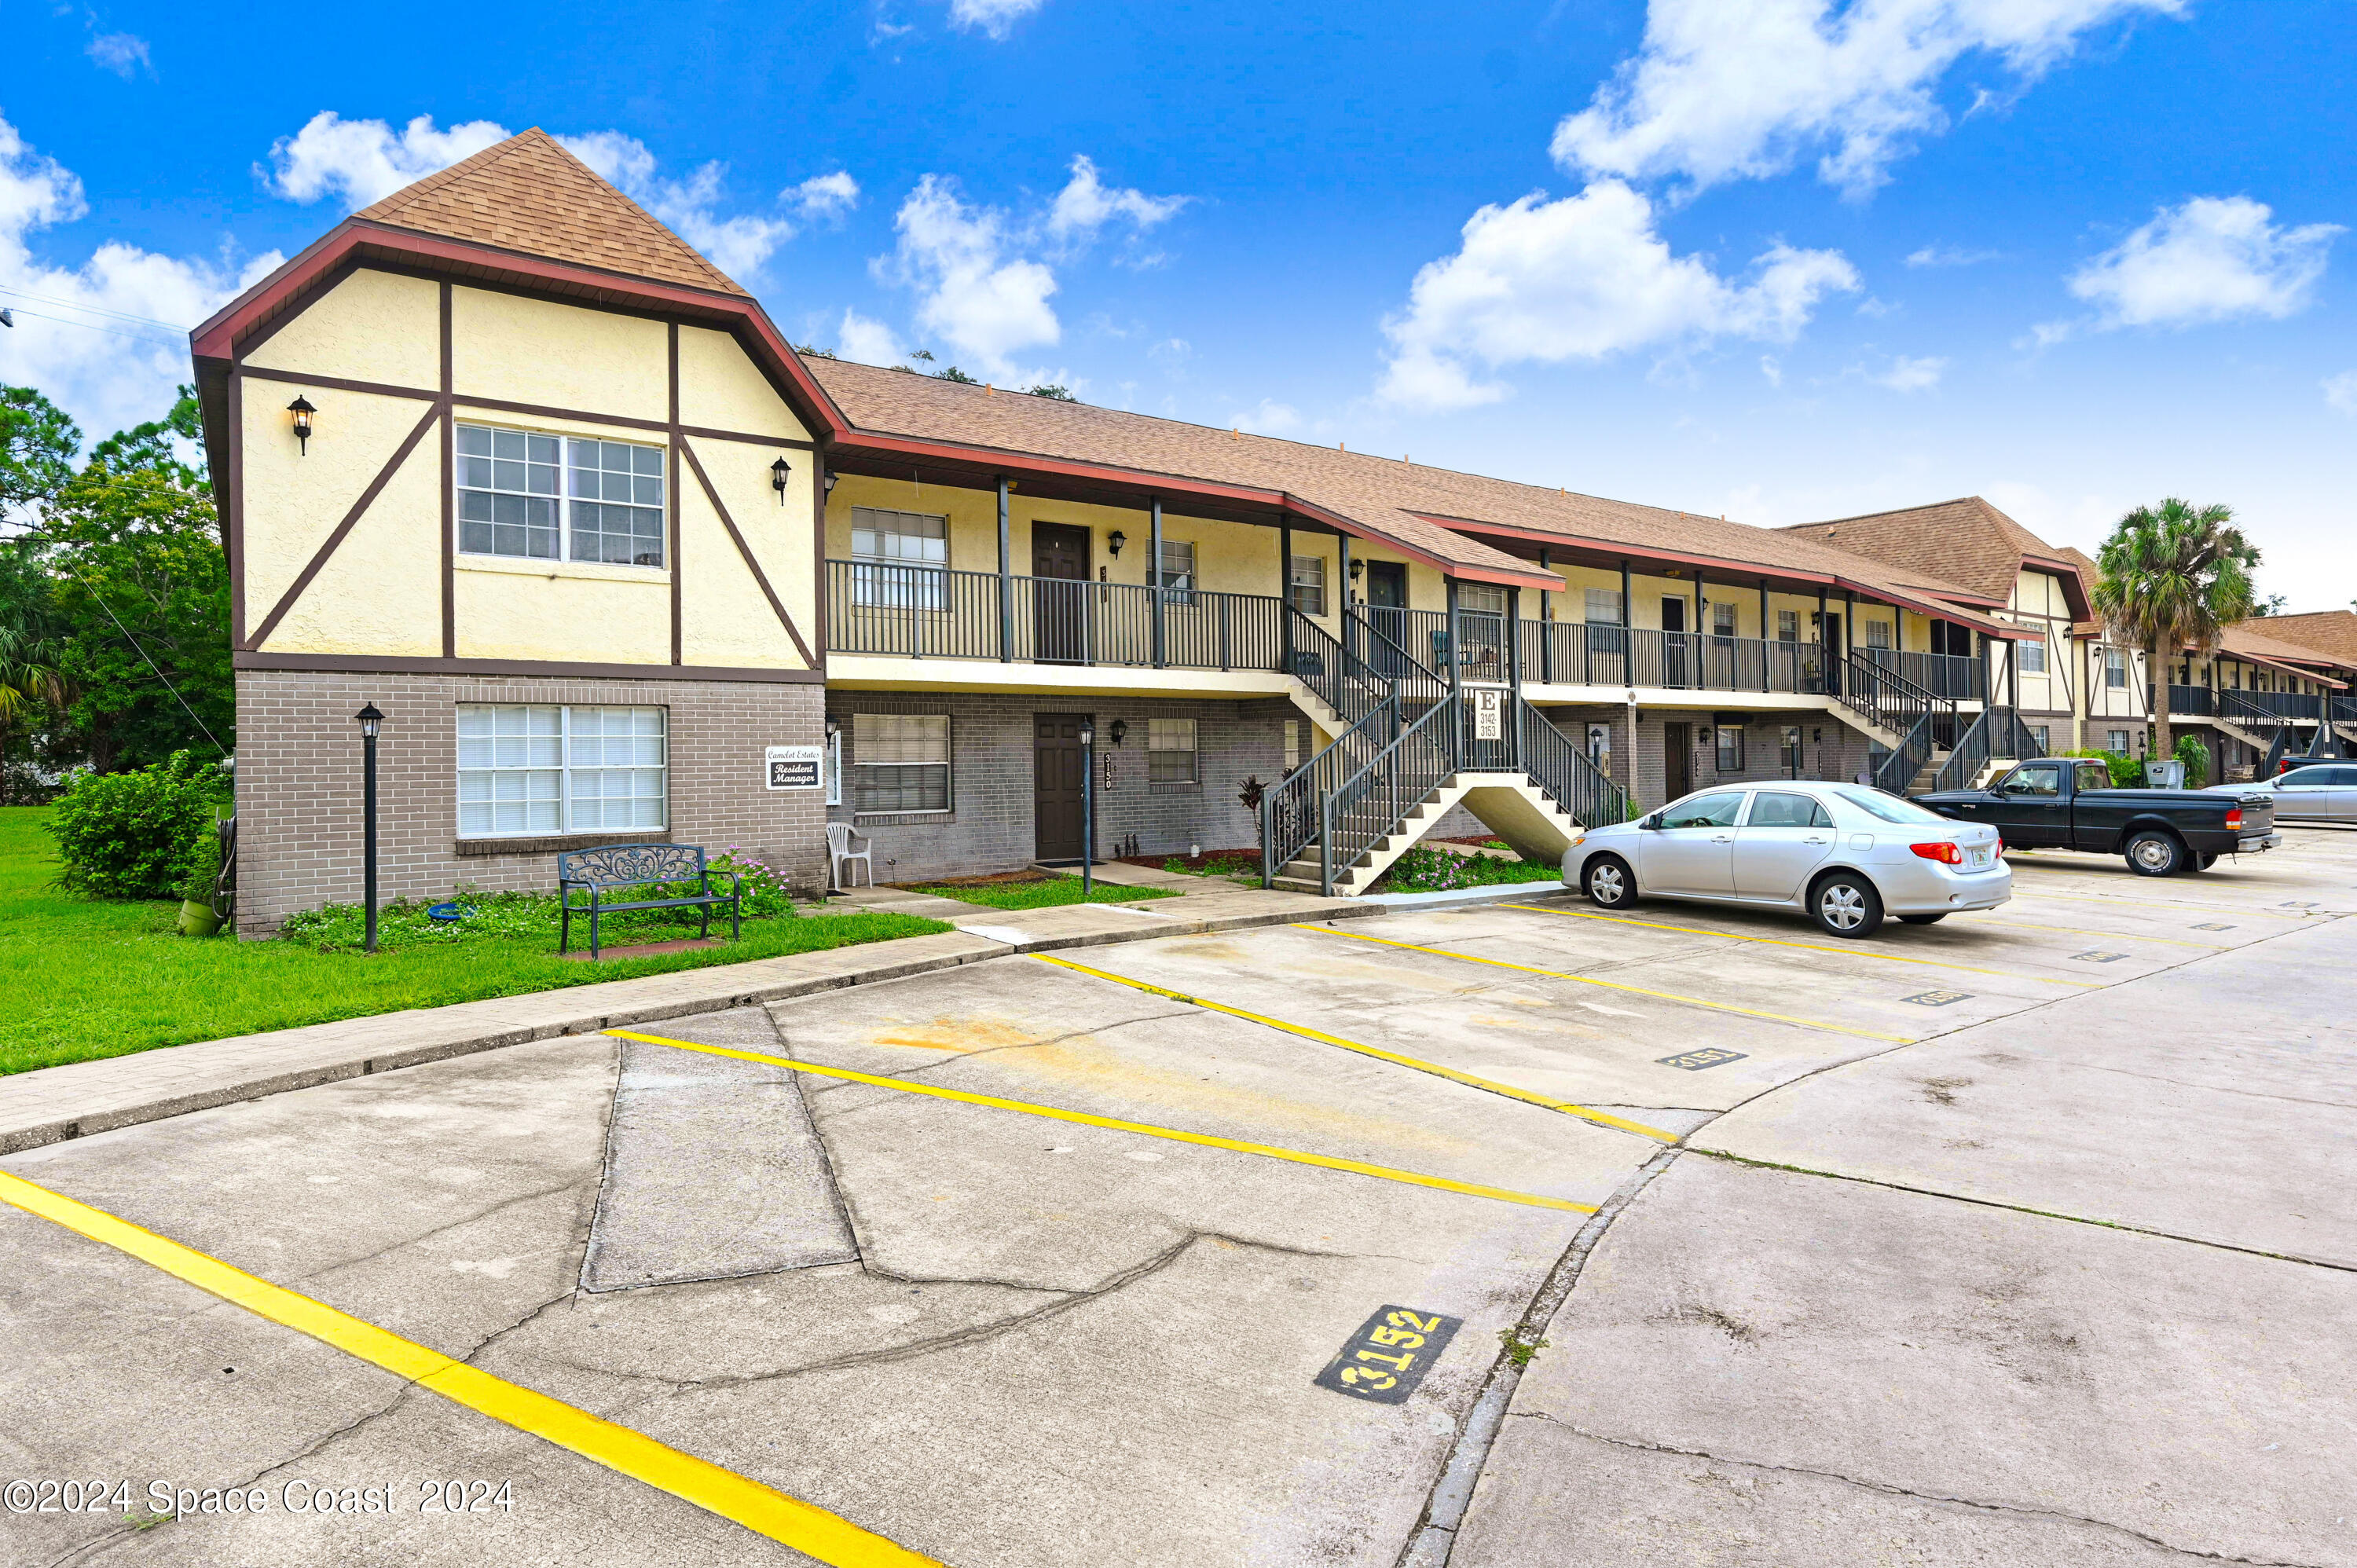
point(1176, 572)
point(1488, 598)
point(1604, 607)
point(900, 762)
point(530, 770)
point(901, 559)
point(1305, 584)
point(1170, 751)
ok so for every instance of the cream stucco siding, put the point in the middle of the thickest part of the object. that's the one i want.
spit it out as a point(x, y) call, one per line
point(728, 621)
point(372, 327)
point(293, 502)
point(527, 350)
point(505, 615)
point(721, 388)
point(381, 593)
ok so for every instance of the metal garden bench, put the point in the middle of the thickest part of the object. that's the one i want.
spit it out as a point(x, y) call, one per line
point(640, 865)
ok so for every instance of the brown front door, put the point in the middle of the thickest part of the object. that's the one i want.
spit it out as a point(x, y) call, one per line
point(1056, 785)
point(1677, 759)
point(1060, 569)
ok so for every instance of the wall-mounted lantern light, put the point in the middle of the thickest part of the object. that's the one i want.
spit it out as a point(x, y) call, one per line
point(302, 411)
point(778, 472)
point(830, 482)
point(1114, 541)
point(1358, 570)
point(1120, 730)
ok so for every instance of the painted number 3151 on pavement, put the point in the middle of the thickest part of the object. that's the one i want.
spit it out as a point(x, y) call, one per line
point(1389, 1355)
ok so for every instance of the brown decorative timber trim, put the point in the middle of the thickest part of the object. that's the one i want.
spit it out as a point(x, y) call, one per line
point(384, 477)
point(449, 491)
point(556, 844)
point(393, 664)
point(746, 550)
point(678, 533)
point(337, 383)
point(502, 405)
point(749, 437)
point(818, 550)
point(236, 531)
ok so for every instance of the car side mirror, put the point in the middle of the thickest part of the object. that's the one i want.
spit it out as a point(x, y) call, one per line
point(1649, 824)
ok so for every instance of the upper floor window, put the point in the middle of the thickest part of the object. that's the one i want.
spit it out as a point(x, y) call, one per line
point(1305, 584)
point(1788, 626)
point(899, 558)
point(2115, 667)
point(1604, 607)
point(1486, 598)
point(1722, 620)
point(1176, 571)
point(2032, 656)
point(512, 500)
point(1878, 634)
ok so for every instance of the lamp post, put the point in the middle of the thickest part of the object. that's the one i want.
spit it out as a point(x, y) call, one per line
point(1088, 801)
point(368, 719)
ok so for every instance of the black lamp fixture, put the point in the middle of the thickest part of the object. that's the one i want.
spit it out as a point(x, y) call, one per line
point(778, 472)
point(1114, 541)
point(1120, 729)
point(1358, 570)
point(368, 719)
point(830, 482)
point(302, 411)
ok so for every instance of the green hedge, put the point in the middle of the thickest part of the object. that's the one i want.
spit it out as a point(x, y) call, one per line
point(136, 834)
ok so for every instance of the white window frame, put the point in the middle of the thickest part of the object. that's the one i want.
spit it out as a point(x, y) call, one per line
point(1179, 586)
point(1292, 744)
point(1878, 635)
point(1159, 731)
point(1606, 601)
point(835, 767)
point(1788, 626)
point(1491, 598)
point(562, 497)
point(2115, 669)
point(1305, 585)
point(2039, 734)
point(2032, 656)
point(876, 725)
point(1724, 610)
point(892, 580)
point(1722, 746)
point(573, 739)
point(2119, 740)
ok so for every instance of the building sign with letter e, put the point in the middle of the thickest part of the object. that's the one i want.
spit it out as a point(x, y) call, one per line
point(794, 766)
point(1488, 713)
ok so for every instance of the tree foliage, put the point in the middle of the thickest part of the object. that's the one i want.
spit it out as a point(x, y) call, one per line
point(136, 834)
point(2172, 576)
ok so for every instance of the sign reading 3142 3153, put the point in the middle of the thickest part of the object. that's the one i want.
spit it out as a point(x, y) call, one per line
point(1389, 1355)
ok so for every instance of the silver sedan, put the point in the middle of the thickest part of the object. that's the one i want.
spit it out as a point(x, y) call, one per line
point(2315, 792)
point(1843, 854)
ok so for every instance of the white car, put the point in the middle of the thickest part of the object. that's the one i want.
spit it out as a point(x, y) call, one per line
point(2324, 792)
point(1844, 853)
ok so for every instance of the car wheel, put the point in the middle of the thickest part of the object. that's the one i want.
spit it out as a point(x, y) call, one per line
point(1846, 905)
point(1923, 919)
point(2151, 853)
point(1610, 883)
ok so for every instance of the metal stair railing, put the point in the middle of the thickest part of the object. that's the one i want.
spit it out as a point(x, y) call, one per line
point(1329, 668)
point(1371, 803)
point(1567, 773)
point(1898, 769)
point(1972, 753)
point(1886, 697)
point(1290, 810)
point(1388, 662)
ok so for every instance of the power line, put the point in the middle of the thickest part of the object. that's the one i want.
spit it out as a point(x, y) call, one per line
point(93, 309)
point(96, 327)
point(137, 646)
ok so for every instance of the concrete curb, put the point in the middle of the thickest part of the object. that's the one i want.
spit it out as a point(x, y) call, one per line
point(53, 1105)
point(1458, 897)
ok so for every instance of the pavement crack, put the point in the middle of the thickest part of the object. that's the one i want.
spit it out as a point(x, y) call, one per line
point(1890, 1489)
point(423, 1236)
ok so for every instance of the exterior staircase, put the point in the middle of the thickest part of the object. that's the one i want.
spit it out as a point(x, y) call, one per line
point(1530, 819)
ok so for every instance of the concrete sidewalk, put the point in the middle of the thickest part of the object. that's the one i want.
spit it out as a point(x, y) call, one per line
point(52, 1104)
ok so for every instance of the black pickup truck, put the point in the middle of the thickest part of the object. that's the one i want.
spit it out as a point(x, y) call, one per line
point(2069, 803)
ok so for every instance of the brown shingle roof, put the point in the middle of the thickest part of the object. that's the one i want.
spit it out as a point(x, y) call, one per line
point(1428, 508)
point(1965, 540)
point(529, 194)
point(2332, 633)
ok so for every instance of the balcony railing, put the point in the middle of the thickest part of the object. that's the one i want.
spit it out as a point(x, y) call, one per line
point(2269, 707)
point(2191, 699)
point(924, 612)
point(2344, 710)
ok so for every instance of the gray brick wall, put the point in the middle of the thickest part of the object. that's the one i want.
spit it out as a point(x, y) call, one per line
point(1830, 749)
point(299, 782)
point(990, 824)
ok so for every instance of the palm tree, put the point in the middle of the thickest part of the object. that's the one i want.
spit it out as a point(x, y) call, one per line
point(2171, 577)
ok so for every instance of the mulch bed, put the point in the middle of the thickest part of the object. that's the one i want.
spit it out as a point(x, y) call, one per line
point(1197, 862)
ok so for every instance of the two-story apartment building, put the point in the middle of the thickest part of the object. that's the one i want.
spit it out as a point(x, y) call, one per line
point(504, 457)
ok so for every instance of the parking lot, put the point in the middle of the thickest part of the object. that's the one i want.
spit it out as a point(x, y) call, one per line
point(2019, 1239)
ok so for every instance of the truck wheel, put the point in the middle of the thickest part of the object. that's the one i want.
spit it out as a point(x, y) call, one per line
point(1846, 905)
point(1610, 883)
point(2154, 853)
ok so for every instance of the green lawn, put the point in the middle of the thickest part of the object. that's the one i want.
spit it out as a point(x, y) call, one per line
point(1040, 893)
point(81, 978)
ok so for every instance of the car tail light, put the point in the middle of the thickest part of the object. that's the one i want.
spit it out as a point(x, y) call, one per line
point(1944, 851)
point(2233, 816)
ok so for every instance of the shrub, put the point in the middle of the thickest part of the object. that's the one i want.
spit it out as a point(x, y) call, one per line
point(2196, 757)
point(2128, 773)
point(131, 835)
point(203, 868)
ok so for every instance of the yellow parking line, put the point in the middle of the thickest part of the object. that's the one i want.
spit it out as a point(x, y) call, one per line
point(2172, 904)
point(803, 1526)
point(1328, 1162)
point(1615, 986)
point(2124, 936)
point(1601, 1118)
point(1784, 942)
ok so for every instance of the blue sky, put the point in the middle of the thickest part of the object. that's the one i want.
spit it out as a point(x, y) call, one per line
point(1785, 261)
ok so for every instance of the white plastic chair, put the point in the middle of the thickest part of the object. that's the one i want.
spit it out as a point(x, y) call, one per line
point(840, 854)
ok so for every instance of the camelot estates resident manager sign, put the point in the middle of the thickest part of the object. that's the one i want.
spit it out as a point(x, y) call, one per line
point(794, 766)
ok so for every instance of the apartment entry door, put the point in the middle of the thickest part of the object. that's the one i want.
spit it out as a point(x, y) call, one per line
point(1677, 760)
point(1056, 786)
point(1387, 614)
point(1675, 660)
point(1060, 572)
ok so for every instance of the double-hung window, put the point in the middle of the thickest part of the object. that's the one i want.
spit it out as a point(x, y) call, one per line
point(532, 770)
point(1305, 584)
point(1722, 620)
point(900, 762)
point(1788, 626)
point(1604, 607)
point(1170, 751)
point(1878, 634)
point(1176, 572)
point(1483, 599)
point(2115, 667)
point(515, 497)
point(901, 559)
point(1731, 748)
point(2116, 740)
point(2032, 656)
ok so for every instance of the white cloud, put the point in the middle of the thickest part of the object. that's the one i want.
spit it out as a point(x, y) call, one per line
point(1948, 256)
point(1270, 417)
point(1772, 368)
point(2212, 259)
point(364, 161)
point(106, 337)
point(2341, 391)
point(982, 284)
point(738, 246)
point(124, 54)
point(1724, 92)
point(1908, 375)
point(868, 340)
point(1584, 277)
point(995, 18)
point(823, 196)
point(1087, 204)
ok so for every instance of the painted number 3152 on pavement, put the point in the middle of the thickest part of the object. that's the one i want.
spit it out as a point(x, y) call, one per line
point(1389, 1355)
